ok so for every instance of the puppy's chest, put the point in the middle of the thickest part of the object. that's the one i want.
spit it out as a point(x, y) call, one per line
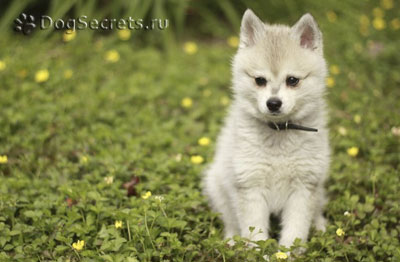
point(274, 164)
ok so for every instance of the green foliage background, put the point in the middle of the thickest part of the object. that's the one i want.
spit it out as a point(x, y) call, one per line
point(66, 136)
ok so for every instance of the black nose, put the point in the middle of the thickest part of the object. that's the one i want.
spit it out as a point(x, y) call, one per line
point(274, 104)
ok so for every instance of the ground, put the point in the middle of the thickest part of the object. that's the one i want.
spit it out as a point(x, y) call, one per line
point(92, 120)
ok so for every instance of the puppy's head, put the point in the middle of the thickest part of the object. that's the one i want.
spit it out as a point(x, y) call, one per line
point(279, 71)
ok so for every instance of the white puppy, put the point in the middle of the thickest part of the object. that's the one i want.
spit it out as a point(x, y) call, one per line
point(268, 157)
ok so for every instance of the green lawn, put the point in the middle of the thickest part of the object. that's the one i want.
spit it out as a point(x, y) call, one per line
point(72, 141)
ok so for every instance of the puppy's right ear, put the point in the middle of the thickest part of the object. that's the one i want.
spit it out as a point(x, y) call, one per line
point(251, 29)
point(308, 34)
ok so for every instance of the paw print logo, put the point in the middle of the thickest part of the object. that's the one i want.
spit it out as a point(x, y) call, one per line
point(24, 23)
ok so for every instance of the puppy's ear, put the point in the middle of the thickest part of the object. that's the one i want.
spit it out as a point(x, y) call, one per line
point(307, 32)
point(251, 29)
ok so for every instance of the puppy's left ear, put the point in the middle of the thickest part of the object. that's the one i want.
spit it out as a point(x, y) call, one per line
point(251, 29)
point(307, 32)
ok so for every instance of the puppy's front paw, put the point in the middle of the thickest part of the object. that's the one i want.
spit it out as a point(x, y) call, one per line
point(320, 223)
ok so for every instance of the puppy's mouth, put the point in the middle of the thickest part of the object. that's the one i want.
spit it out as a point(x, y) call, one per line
point(277, 116)
point(275, 113)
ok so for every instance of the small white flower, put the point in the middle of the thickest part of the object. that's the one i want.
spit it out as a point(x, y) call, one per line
point(396, 131)
point(178, 157)
point(159, 198)
point(347, 213)
point(109, 180)
point(342, 131)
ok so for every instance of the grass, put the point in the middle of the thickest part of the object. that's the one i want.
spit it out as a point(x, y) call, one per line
point(72, 141)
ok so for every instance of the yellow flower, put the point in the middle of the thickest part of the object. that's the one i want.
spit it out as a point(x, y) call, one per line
point(378, 23)
point(118, 224)
point(68, 73)
point(364, 20)
point(377, 12)
point(197, 159)
point(364, 23)
point(109, 180)
point(387, 4)
point(203, 81)
point(334, 69)
point(332, 17)
point(190, 48)
point(187, 102)
point(69, 35)
point(342, 131)
point(124, 34)
point(233, 41)
point(281, 255)
point(2, 65)
point(395, 23)
point(340, 232)
point(78, 245)
point(352, 151)
point(357, 119)
point(204, 141)
point(224, 101)
point(330, 81)
point(207, 92)
point(213, 231)
point(364, 30)
point(22, 73)
point(84, 159)
point(3, 159)
point(42, 76)
point(146, 195)
point(112, 56)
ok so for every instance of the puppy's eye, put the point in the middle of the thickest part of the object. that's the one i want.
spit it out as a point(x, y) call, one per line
point(292, 81)
point(261, 81)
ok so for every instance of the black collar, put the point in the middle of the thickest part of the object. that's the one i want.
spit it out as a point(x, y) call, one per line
point(288, 125)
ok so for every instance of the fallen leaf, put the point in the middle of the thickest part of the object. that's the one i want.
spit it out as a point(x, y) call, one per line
point(130, 186)
point(71, 202)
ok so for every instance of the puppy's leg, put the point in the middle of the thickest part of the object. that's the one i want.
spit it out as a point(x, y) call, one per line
point(221, 202)
point(231, 227)
point(297, 215)
point(223, 205)
point(252, 211)
point(320, 222)
point(319, 219)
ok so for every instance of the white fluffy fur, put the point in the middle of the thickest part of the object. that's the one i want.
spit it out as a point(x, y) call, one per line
point(257, 170)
